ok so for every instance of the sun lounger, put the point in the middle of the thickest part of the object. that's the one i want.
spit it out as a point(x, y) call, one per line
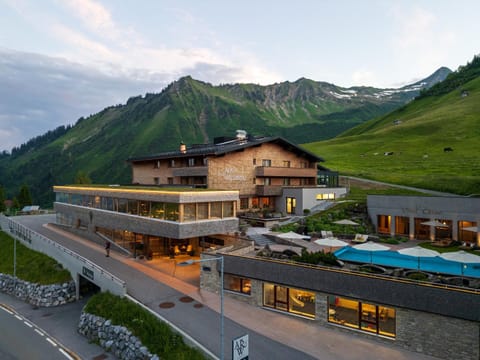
point(360, 238)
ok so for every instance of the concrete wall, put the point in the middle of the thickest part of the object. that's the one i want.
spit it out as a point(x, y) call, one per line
point(76, 264)
point(306, 197)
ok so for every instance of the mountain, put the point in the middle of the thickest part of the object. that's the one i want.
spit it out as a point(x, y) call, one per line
point(194, 112)
point(432, 142)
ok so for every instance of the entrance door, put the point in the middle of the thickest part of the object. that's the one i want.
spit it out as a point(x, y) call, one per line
point(290, 205)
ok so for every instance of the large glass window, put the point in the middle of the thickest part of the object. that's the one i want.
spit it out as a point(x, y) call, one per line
point(228, 208)
point(122, 205)
point(202, 211)
point(144, 208)
point(158, 210)
point(171, 211)
point(237, 284)
point(133, 207)
point(189, 212)
point(402, 225)
point(215, 210)
point(290, 300)
point(363, 316)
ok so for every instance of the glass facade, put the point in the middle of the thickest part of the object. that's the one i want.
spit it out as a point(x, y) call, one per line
point(290, 300)
point(376, 319)
point(159, 210)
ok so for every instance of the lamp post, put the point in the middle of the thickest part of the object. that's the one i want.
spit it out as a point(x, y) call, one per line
point(222, 335)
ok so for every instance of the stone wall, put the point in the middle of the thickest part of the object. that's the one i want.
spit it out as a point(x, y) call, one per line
point(115, 339)
point(36, 294)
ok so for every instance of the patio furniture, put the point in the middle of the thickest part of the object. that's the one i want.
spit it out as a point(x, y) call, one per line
point(360, 238)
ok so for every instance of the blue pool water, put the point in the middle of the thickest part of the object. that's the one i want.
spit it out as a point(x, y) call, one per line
point(396, 260)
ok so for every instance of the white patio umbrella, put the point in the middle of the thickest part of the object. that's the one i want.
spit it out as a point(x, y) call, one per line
point(332, 242)
point(418, 252)
point(346, 222)
point(371, 247)
point(471, 228)
point(435, 223)
point(292, 235)
point(462, 257)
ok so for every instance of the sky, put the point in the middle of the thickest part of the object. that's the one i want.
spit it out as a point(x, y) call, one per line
point(65, 59)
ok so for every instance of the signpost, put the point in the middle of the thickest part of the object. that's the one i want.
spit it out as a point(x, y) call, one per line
point(240, 348)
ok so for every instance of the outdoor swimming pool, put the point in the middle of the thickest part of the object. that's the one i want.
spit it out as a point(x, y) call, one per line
point(396, 260)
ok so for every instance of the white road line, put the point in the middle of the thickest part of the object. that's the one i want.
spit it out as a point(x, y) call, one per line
point(65, 354)
point(28, 324)
point(39, 332)
point(8, 311)
point(51, 341)
point(19, 317)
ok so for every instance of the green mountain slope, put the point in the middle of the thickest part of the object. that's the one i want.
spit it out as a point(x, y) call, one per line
point(193, 112)
point(418, 135)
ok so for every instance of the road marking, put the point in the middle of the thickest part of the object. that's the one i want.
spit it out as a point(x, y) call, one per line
point(8, 311)
point(19, 317)
point(51, 341)
point(66, 354)
point(39, 332)
point(28, 324)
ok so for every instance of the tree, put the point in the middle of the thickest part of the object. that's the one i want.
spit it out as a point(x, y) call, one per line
point(2, 199)
point(24, 197)
point(15, 204)
point(82, 178)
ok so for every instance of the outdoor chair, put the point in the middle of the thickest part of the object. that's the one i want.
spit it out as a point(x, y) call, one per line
point(360, 238)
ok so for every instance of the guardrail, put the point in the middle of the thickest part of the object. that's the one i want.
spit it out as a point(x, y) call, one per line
point(21, 232)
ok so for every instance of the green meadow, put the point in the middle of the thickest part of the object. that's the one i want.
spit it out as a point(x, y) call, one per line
point(416, 135)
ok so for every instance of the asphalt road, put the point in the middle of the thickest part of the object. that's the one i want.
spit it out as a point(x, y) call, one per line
point(202, 323)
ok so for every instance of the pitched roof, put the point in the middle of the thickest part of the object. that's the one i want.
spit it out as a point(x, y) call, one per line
point(227, 147)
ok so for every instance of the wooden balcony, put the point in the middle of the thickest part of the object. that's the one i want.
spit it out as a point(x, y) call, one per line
point(269, 171)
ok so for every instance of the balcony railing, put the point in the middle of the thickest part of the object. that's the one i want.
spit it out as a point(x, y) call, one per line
point(268, 171)
point(191, 171)
point(268, 190)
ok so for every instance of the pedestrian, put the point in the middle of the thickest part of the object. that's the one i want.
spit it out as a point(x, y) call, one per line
point(107, 248)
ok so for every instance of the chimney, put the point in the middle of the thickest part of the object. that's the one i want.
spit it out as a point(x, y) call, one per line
point(241, 135)
point(183, 148)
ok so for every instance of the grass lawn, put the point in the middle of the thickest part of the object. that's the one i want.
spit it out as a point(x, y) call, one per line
point(157, 336)
point(32, 266)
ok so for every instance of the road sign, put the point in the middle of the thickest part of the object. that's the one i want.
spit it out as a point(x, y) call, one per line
point(240, 348)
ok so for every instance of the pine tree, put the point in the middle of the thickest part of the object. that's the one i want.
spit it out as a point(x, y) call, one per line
point(24, 197)
point(2, 199)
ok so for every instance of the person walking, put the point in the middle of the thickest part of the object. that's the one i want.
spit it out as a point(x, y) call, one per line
point(107, 248)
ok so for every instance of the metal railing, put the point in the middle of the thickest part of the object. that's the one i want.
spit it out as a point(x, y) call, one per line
point(21, 232)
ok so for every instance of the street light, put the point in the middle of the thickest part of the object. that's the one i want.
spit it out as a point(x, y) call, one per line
point(190, 262)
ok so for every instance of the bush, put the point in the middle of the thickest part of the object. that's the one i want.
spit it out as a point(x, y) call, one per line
point(316, 258)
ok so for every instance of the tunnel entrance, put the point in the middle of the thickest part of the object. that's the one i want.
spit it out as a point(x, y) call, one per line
point(86, 287)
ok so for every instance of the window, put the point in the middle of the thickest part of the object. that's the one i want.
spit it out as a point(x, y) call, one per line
point(156, 164)
point(303, 164)
point(205, 161)
point(237, 284)
point(202, 211)
point(266, 162)
point(156, 180)
point(243, 203)
point(228, 210)
point(286, 163)
point(267, 181)
point(367, 317)
point(171, 212)
point(290, 300)
point(170, 181)
point(172, 163)
point(286, 181)
point(191, 162)
point(254, 161)
point(329, 196)
point(158, 210)
point(215, 210)
point(189, 212)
